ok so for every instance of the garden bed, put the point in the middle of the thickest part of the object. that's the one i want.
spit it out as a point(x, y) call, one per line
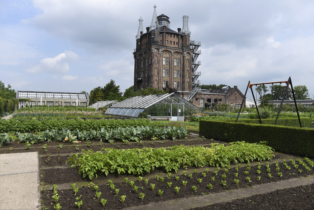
point(67, 197)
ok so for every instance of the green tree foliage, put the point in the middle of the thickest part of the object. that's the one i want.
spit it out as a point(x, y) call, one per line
point(261, 90)
point(149, 91)
point(112, 91)
point(212, 86)
point(129, 92)
point(278, 91)
point(6, 92)
point(301, 92)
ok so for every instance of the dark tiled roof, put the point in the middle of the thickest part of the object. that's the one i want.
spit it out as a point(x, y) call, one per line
point(168, 30)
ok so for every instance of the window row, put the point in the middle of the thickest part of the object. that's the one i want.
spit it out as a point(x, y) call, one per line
point(165, 73)
point(176, 85)
point(147, 61)
point(165, 61)
point(171, 35)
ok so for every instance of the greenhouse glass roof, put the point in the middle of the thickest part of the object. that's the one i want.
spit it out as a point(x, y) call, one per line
point(50, 95)
point(102, 104)
point(134, 106)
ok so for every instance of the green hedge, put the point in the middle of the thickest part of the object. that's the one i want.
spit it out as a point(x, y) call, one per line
point(291, 140)
point(13, 125)
point(294, 122)
point(6, 105)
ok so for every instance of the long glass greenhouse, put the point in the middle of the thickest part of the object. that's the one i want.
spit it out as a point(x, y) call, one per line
point(35, 98)
point(168, 105)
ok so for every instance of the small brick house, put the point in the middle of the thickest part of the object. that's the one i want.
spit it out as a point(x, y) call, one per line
point(227, 95)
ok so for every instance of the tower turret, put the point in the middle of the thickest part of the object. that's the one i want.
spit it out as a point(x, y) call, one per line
point(185, 28)
point(154, 19)
point(140, 28)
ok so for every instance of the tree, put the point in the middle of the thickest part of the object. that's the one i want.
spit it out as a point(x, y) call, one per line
point(149, 91)
point(129, 92)
point(301, 92)
point(213, 86)
point(112, 91)
point(278, 91)
point(7, 92)
point(261, 89)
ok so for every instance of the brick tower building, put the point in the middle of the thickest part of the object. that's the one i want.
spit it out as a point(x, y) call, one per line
point(164, 57)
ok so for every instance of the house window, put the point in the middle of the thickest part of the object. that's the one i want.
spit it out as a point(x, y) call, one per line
point(141, 63)
point(165, 84)
point(220, 99)
point(141, 74)
point(176, 85)
point(150, 60)
point(177, 73)
point(167, 42)
point(170, 42)
point(215, 100)
point(177, 62)
point(209, 100)
point(160, 42)
point(167, 35)
point(165, 61)
point(145, 73)
point(177, 43)
point(170, 35)
point(238, 106)
point(146, 62)
point(165, 72)
point(160, 35)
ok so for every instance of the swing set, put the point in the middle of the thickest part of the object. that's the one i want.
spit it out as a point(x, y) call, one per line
point(289, 82)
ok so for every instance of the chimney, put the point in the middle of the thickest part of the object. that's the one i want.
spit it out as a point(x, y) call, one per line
point(179, 30)
point(164, 28)
point(147, 29)
point(141, 33)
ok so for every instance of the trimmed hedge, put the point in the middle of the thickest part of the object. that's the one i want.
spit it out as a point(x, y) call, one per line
point(291, 140)
point(294, 122)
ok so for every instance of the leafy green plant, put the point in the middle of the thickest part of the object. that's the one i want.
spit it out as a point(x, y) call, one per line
point(210, 186)
point(45, 146)
point(169, 176)
point(122, 198)
point(300, 171)
point(195, 171)
point(177, 178)
point(204, 174)
point(207, 170)
point(88, 143)
point(141, 196)
point(146, 181)
point(126, 179)
point(162, 179)
point(160, 192)
point(235, 174)
point(56, 198)
point(73, 186)
point(135, 189)
point(157, 177)
point(131, 183)
point(27, 145)
point(199, 181)
point(190, 176)
point(57, 206)
point(76, 190)
point(194, 188)
point(112, 186)
point(60, 146)
point(98, 194)
point(184, 173)
point(103, 201)
point(96, 188)
point(169, 184)
point(248, 179)
point(212, 178)
point(296, 166)
point(268, 170)
point(246, 172)
point(224, 183)
point(277, 169)
point(177, 189)
point(110, 182)
point(215, 172)
point(236, 181)
point(258, 178)
point(258, 172)
point(152, 186)
point(224, 176)
point(140, 178)
point(117, 191)
point(54, 187)
point(226, 170)
point(184, 183)
point(91, 184)
point(269, 175)
point(280, 174)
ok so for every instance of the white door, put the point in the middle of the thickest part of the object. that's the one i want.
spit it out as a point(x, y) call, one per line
point(202, 102)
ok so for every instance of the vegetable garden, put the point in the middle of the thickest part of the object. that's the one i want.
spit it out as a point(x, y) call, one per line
point(117, 164)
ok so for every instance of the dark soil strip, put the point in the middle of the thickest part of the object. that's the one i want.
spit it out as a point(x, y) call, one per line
point(293, 198)
point(52, 148)
point(67, 197)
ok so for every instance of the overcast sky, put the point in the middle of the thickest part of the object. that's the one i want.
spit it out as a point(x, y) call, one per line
point(75, 45)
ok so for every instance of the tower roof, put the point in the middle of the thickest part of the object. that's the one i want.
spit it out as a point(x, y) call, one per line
point(163, 17)
point(154, 19)
point(140, 28)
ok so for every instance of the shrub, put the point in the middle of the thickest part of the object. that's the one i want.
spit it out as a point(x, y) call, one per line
point(291, 140)
point(293, 122)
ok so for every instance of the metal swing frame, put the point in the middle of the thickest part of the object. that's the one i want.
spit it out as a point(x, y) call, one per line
point(289, 82)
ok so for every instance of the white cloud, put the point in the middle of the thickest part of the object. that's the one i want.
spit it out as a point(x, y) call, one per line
point(69, 77)
point(58, 64)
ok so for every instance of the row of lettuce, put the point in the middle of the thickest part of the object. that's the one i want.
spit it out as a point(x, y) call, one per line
point(142, 161)
point(123, 134)
point(15, 125)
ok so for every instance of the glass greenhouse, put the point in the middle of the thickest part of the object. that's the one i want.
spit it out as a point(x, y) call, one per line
point(168, 105)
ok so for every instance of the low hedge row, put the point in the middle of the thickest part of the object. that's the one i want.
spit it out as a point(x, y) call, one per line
point(291, 140)
point(14, 125)
point(294, 122)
